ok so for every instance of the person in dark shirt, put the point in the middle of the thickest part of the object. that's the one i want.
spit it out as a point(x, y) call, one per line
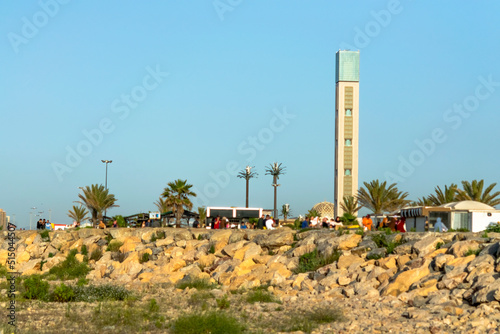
point(196, 224)
point(260, 222)
point(305, 223)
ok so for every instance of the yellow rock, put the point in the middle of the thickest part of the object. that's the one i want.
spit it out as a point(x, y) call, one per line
point(23, 257)
point(4, 254)
point(405, 279)
point(459, 261)
point(145, 277)
point(388, 262)
point(79, 257)
point(207, 260)
point(436, 253)
point(29, 240)
point(175, 277)
point(244, 267)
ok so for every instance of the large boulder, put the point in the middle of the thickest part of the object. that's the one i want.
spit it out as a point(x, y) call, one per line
point(402, 282)
point(426, 245)
point(460, 248)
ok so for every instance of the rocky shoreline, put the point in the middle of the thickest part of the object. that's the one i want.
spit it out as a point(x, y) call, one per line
point(382, 283)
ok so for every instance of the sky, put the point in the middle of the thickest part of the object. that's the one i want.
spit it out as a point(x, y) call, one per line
point(198, 90)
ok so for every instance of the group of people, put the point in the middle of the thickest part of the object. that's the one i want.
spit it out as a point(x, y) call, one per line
point(394, 223)
point(314, 222)
point(43, 224)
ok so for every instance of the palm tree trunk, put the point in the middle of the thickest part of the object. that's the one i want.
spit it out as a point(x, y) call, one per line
point(275, 198)
point(247, 193)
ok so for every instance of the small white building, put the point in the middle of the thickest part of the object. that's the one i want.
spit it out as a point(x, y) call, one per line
point(471, 215)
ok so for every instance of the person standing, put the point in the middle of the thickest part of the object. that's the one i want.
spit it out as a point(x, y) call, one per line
point(440, 226)
point(260, 222)
point(196, 224)
point(367, 223)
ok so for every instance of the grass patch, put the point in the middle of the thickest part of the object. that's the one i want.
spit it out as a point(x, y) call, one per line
point(158, 235)
point(381, 241)
point(223, 303)
point(128, 318)
point(144, 258)
point(70, 268)
point(214, 322)
point(96, 254)
point(439, 245)
point(373, 257)
point(313, 260)
point(197, 283)
point(472, 252)
point(84, 250)
point(211, 248)
point(45, 235)
point(200, 298)
point(484, 235)
point(261, 296)
point(114, 246)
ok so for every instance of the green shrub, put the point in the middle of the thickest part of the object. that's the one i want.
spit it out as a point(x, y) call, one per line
point(83, 250)
point(197, 283)
point(223, 303)
point(96, 254)
point(63, 293)
point(45, 235)
point(92, 293)
point(360, 231)
point(114, 246)
point(70, 268)
point(211, 248)
point(472, 252)
point(261, 296)
point(484, 235)
point(439, 245)
point(51, 255)
point(312, 261)
point(200, 237)
point(493, 228)
point(214, 322)
point(36, 288)
point(413, 229)
point(373, 257)
point(144, 258)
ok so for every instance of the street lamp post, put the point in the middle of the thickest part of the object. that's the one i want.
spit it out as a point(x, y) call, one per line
point(106, 180)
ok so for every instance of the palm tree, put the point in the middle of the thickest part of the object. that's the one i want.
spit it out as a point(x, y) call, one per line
point(202, 212)
point(275, 169)
point(97, 199)
point(474, 191)
point(442, 197)
point(177, 195)
point(379, 198)
point(247, 174)
point(423, 201)
point(285, 211)
point(350, 205)
point(79, 214)
point(313, 213)
point(163, 207)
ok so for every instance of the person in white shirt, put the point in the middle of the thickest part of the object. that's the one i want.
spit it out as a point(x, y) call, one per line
point(269, 223)
point(439, 226)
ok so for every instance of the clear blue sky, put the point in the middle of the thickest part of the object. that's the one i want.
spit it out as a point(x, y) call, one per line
point(221, 73)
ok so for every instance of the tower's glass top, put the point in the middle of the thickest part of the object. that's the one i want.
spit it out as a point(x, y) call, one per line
point(347, 66)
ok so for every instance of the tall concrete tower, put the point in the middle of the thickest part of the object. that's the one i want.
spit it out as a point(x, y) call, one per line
point(346, 126)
